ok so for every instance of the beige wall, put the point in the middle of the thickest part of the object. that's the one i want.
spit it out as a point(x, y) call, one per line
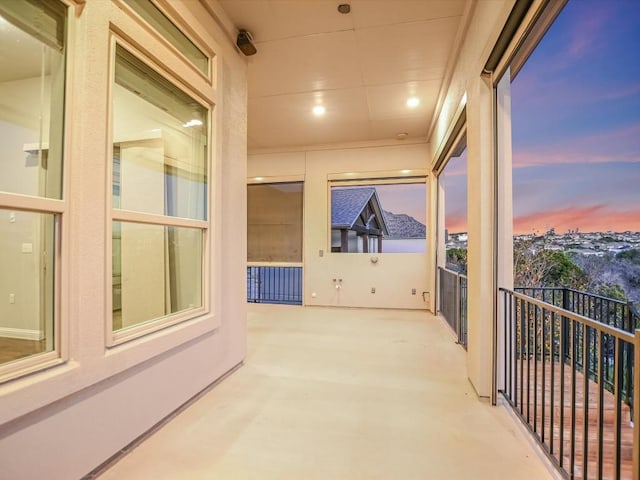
point(393, 275)
point(468, 88)
point(62, 422)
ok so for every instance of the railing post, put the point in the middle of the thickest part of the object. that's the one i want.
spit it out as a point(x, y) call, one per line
point(565, 323)
point(636, 405)
point(457, 307)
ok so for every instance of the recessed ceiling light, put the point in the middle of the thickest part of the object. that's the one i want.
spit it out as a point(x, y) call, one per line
point(413, 102)
point(344, 8)
point(405, 172)
point(319, 110)
point(259, 179)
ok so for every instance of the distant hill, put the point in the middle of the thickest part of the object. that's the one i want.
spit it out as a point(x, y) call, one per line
point(401, 225)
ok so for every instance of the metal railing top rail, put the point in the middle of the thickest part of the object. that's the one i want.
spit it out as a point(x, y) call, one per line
point(581, 292)
point(452, 272)
point(274, 264)
point(599, 326)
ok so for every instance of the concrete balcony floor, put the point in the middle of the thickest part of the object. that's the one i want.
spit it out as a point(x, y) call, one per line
point(344, 394)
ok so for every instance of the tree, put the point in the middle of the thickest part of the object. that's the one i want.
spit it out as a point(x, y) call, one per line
point(457, 259)
point(539, 267)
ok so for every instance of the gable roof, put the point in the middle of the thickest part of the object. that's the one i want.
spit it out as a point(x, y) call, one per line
point(347, 204)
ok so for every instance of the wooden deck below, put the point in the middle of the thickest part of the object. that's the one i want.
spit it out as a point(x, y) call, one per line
point(554, 425)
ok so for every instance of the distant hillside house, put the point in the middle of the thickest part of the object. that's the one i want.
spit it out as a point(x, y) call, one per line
point(357, 221)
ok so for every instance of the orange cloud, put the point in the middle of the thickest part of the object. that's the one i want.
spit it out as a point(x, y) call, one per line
point(598, 218)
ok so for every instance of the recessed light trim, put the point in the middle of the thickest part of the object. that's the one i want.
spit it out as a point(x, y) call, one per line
point(344, 8)
point(258, 179)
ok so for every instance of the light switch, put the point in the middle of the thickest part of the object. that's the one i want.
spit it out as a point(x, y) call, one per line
point(27, 248)
point(12, 217)
point(12, 298)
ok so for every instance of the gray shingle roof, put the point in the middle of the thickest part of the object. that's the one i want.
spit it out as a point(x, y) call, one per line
point(401, 225)
point(347, 203)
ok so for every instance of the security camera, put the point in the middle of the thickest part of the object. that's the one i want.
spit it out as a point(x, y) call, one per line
point(245, 43)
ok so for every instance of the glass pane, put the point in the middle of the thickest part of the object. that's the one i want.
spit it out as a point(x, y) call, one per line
point(32, 61)
point(160, 144)
point(26, 284)
point(379, 218)
point(148, 11)
point(157, 271)
point(274, 213)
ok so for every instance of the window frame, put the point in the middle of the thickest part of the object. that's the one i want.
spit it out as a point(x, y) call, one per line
point(59, 208)
point(115, 338)
point(209, 74)
point(393, 177)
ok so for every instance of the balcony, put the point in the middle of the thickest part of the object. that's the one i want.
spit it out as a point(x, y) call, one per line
point(344, 394)
point(567, 367)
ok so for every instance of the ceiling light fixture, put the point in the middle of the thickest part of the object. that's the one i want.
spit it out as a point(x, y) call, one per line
point(344, 8)
point(259, 179)
point(413, 102)
point(402, 135)
point(405, 172)
point(319, 110)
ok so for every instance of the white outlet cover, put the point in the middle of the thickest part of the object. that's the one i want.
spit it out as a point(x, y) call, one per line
point(27, 248)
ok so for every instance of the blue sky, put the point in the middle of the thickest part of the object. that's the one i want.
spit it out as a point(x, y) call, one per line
point(576, 125)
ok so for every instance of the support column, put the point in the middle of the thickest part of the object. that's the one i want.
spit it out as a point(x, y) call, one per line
point(344, 240)
point(504, 209)
point(481, 226)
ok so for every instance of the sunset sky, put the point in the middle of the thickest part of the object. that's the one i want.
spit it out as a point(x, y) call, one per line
point(576, 126)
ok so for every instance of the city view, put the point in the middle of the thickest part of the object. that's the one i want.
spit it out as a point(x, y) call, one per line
point(575, 155)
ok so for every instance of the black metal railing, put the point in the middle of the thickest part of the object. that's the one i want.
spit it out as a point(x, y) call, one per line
point(581, 412)
point(452, 301)
point(609, 311)
point(278, 284)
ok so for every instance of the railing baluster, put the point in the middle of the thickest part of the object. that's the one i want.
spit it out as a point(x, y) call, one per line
point(585, 402)
point(601, 419)
point(573, 398)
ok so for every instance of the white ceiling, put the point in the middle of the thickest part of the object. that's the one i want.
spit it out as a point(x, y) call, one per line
point(361, 66)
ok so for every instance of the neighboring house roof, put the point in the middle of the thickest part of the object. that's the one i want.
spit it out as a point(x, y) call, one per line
point(401, 225)
point(347, 204)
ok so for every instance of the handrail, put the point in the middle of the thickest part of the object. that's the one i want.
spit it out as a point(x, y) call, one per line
point(574, 382)
point(452, 301)
point(603, 327)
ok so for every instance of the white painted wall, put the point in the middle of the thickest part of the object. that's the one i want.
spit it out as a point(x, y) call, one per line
point(394, 275)
point(62, 422)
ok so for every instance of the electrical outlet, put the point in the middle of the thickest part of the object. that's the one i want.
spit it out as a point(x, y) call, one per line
point(373, 289)
point(413, 291)
point(12, 298)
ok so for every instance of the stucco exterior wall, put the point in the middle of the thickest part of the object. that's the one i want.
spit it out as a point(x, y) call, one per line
point(62, 422)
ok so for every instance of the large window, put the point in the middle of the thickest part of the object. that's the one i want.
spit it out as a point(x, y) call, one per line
point(379, 217)
point(32, 84)
point(160, 199)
